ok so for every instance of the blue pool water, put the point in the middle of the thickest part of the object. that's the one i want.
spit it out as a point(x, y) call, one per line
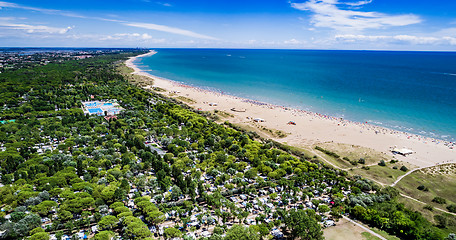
point(408, 91)
point(95, 110)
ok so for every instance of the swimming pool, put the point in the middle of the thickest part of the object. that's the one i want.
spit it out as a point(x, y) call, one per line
point(95, 110)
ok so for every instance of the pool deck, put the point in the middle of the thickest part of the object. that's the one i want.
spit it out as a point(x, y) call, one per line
point(101, 107)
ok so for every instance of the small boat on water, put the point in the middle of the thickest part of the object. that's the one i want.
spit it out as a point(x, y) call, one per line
point(238, 109)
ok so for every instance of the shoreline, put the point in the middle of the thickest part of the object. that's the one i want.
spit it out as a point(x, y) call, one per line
point(311, 128)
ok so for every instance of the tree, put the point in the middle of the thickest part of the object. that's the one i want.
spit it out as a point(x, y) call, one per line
point(104, 235)
point(36, 230)
point(239, 232)
point(138, 229)
point(323, 208)
point(30, 221)
point(44, 207)
point(108, 193)
point(59, 235)
point(155, 217)
point(303, 224)
point(172, 233)
point(359, 212)
point(176, 192)
point(40, 236)
point(64, 215)
point(108, 222)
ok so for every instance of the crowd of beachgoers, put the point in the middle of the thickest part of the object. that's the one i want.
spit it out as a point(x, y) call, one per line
point(337, 120)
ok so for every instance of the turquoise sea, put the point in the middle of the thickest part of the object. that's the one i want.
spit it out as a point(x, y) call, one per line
point(408, 91)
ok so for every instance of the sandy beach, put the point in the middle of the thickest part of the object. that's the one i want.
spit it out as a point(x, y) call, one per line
point(311, 128)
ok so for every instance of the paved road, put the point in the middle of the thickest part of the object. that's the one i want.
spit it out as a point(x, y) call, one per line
point(365, 228)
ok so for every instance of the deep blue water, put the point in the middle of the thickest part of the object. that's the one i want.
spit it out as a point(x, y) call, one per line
point(408, 91)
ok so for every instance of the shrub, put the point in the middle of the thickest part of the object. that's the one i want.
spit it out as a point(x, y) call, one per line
point(452, 208)
point(441, 221)
point(428, 207)
point(329, 153)
point(422, 188)
point(366, 167)
point(382, 163)
point(362, 161)
point(404, 169)
point(354, 163)
point(439, 200)
point(395, 167)
point(346, 159)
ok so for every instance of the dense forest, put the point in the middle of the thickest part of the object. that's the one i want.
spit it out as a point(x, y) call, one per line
point(160, 169)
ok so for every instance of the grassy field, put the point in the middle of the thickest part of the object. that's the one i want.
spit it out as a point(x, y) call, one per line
point(371, 170)
point(384, 174)
point(440, 181)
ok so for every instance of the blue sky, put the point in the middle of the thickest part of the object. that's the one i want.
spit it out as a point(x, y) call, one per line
point(303, 24)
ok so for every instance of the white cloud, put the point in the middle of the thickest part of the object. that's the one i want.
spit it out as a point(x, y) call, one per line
point(293, 42)
point(6, 23)
point(330, 14)
point(42, 10)
point(165, 4)
point(132, 37)
point(150, 26)
point(409, 39)
point(357, 4)
point(164, 28)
